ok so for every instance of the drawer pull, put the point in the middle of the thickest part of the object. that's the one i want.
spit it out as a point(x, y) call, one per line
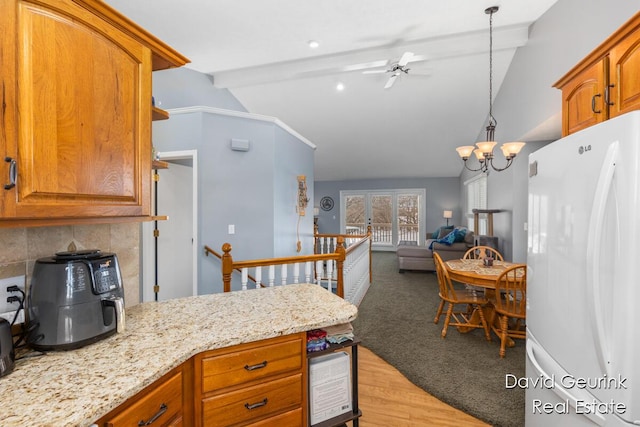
point(254, 367)
point(251, 406)
point(163, 409)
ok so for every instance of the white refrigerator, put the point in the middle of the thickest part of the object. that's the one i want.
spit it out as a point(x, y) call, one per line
point(583, 283)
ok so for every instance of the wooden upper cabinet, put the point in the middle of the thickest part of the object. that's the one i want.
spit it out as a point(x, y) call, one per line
point(77, 119)
point(583, 102)
point(625, 75)
point(604, 84)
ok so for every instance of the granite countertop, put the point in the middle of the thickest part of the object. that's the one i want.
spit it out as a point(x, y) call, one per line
point(75, 388)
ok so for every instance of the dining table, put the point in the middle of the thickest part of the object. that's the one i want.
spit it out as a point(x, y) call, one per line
point(474, 272)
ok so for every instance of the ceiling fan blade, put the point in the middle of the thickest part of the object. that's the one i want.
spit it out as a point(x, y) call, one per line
point(365, 65)
point(391, 81)
point(375, 71)
point(416, 58)
point(405, 59)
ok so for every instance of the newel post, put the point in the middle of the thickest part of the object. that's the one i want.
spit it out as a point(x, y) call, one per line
point(339, 266)
point(227, 267)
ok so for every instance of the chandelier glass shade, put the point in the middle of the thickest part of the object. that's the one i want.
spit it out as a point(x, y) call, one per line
point(484, 150)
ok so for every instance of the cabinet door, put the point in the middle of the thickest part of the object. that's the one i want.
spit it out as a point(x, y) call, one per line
point(583, 99)
point(82, 113)
point(625, 75)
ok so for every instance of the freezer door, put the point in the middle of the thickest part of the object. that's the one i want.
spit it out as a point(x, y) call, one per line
point(582, 288)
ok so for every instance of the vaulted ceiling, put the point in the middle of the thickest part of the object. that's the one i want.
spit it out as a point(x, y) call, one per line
point(259, 50)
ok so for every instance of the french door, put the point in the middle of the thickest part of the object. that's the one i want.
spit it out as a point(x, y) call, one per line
point(393, 215)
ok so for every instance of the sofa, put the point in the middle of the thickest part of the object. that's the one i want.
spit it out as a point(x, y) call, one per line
point(412, 256)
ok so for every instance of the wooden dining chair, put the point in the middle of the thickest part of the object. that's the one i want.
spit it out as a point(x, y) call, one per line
point(510, 305)
point(471, 301)
point(482, 252)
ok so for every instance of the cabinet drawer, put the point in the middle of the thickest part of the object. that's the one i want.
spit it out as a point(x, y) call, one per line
point(169, 394)
point(249, 364)
point(288, 419)
point(255, 402)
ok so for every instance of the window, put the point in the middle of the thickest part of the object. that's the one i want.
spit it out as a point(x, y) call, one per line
point(393, 215)
point(476, 189)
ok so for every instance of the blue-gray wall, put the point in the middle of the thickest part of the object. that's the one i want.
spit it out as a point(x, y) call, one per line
point(441, 194)
point(256, 190)
point(182, 87)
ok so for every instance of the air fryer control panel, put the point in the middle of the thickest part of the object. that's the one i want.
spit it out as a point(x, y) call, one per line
point(106, 275)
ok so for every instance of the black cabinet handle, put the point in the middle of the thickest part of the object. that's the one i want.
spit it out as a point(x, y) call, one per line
point(593, 103)
point(607, 98)
point(162, 410)
point(13, 173)
point(251, 406)
point(254, 367)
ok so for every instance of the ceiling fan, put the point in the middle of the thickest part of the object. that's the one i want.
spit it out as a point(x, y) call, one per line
point(397, 68)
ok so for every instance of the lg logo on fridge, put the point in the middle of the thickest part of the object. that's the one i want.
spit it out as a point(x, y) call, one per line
point(584, 148)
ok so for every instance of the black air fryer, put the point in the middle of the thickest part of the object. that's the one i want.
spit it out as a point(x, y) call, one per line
point(75, 299)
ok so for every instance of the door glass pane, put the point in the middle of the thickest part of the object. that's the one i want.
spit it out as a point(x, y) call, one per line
point(408, 217)
point(382, 219)
point(355, 215)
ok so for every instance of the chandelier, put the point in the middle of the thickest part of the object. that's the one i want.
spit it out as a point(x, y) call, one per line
point(484, 152)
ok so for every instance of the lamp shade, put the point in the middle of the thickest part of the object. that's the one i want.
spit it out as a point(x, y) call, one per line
point(486, 146)
point(447, 214)
point(512, 148)
point(465, 151)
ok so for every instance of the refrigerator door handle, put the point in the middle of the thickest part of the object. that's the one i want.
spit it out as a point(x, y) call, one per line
point(596, 223)
point(534, 349)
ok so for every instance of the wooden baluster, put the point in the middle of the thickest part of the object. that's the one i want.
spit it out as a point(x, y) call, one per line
point(322, 241)
point(258, 276)
point(329, 274)
point(245, 278)
point(319, 268)
point(227, 267)
point(308, 266)
point(333, 245)
point(283, 274)
point(272, 275)
point(296, 273)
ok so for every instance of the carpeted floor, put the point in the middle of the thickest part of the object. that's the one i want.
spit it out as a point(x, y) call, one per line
point(395, 321)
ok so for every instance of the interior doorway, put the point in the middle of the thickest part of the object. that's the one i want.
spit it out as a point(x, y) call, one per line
point(177, 260)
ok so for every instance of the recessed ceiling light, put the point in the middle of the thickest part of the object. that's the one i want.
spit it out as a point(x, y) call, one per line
point(313, 44)
point(340, 87)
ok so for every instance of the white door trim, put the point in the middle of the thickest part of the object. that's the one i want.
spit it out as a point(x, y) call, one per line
point(147, 239)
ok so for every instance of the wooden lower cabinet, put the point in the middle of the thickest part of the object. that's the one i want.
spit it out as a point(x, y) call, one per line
point(262, 383)
point(166, 403)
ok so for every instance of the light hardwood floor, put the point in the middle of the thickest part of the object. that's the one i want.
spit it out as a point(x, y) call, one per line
point(388, 399)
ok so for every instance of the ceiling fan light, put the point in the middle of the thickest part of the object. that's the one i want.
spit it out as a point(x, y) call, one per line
point(512, 148)
point(465, 151)
point(486, 146)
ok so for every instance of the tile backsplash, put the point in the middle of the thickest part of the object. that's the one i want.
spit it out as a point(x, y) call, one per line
point(20, 247)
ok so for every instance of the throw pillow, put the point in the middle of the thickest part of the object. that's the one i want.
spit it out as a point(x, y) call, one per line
point(448, 239)
point(443, 231)
point(461, 232)
point(439, 231)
